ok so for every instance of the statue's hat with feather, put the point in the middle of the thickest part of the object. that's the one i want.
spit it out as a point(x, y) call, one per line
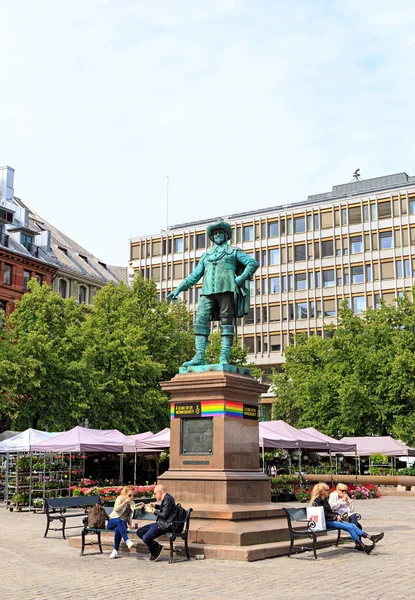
point(219, 225)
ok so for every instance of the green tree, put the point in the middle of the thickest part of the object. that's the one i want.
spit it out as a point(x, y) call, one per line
point(131, 343)
point(359, 381)
point(40, 343)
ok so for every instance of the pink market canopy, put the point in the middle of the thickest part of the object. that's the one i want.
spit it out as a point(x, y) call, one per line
point(82, 439)
point(335, 446)
point(157, 442)
point(24, 441)
point(134, 445)
point(386, 445)
point(278, 434)
point(141, 436)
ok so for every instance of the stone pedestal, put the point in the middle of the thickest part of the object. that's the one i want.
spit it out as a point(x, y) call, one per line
point(224, 405)
point(214, 464)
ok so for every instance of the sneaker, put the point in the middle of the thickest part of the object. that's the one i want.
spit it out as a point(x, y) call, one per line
point(129, 543)
point(159, 552)
point(114, 554)
point(360, 547)
point(376, 538)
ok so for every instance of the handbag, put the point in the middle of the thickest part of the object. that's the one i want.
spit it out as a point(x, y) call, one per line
point(97, 517)
point(316, 514)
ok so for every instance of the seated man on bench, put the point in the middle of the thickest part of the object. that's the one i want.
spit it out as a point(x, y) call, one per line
point(165, 511)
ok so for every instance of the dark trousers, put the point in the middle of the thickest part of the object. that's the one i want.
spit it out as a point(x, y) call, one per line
point(148, 534)
point(120, 528)
point(222, 304)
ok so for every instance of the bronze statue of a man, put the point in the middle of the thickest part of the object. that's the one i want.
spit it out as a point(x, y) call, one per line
point(225, 293)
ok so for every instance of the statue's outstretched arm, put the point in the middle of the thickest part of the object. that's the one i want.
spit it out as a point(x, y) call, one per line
point(190, 281)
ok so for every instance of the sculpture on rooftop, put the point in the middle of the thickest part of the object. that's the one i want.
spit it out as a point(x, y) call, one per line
point(226, 272)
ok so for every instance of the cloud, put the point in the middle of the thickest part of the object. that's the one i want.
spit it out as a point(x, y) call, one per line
point(244, 105)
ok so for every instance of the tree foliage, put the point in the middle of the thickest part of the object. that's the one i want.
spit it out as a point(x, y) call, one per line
point(61, 363)
point(360, 381)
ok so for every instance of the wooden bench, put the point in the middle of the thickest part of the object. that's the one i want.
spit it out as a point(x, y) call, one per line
point(56, 510)
point(299, 515)
point(179, 530)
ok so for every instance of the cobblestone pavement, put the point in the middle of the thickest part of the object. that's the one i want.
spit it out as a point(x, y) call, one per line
point(35, 568)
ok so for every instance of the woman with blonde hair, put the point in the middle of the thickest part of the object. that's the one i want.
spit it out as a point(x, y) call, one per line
point(342, 504)
point(121, 517)
point(319, 497)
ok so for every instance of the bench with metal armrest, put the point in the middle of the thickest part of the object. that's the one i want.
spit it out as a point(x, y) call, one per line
point(299, 515)
point(178, 530)
point(56, 509)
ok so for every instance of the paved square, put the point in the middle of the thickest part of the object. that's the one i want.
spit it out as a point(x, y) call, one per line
point(34, 568)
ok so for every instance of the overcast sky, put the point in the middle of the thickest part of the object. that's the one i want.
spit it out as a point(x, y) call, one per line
point(244, 104)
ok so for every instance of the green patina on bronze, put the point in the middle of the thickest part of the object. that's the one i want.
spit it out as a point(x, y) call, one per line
point(226, 273)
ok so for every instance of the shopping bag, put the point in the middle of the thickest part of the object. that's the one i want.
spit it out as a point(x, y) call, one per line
point(316, 514)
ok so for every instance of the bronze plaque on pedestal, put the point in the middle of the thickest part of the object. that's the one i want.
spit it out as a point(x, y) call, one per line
point(196, 436)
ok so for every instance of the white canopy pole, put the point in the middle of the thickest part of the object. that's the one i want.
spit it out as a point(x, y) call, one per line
point(263, 456)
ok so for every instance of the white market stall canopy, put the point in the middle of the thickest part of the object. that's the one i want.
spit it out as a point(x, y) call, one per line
point(386, 445)
point(23, 442)
point(82, 439)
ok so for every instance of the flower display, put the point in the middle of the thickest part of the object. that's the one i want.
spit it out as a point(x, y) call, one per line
point(111, 492)
point(357, 492)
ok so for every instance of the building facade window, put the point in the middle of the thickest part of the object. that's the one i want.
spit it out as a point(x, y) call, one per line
point(356, 244)
point(327, 248)
point(26, 241)
point(299, 252)
point(299, 225)
point(359, 304)
point(200, 241)
point(273, 229)
point(386, 239)
point(301, 310)
point(38, 278)
point(63, 288)
point(7, 275)
point(301, 281)
point(357, 274)
point(248, 233)
point(355, 215)
point(82, 294)
point(274, 256)
point(328, 278)
point(178, 244)
point(26, 279)
point(274, 285)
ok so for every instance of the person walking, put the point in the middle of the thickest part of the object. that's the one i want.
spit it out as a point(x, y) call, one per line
point(121, 518)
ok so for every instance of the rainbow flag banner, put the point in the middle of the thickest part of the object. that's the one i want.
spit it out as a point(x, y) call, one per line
point(171, 410)
point(213, 408)
point(234, 409)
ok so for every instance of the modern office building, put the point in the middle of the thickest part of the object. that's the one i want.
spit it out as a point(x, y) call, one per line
point(355, 242)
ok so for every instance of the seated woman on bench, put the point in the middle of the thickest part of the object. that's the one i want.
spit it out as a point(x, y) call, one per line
point(319, 497)
point(342, 504)
point(121, 517)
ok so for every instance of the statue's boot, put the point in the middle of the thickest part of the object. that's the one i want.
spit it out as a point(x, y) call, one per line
point(226, 343)
point(199, 357)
